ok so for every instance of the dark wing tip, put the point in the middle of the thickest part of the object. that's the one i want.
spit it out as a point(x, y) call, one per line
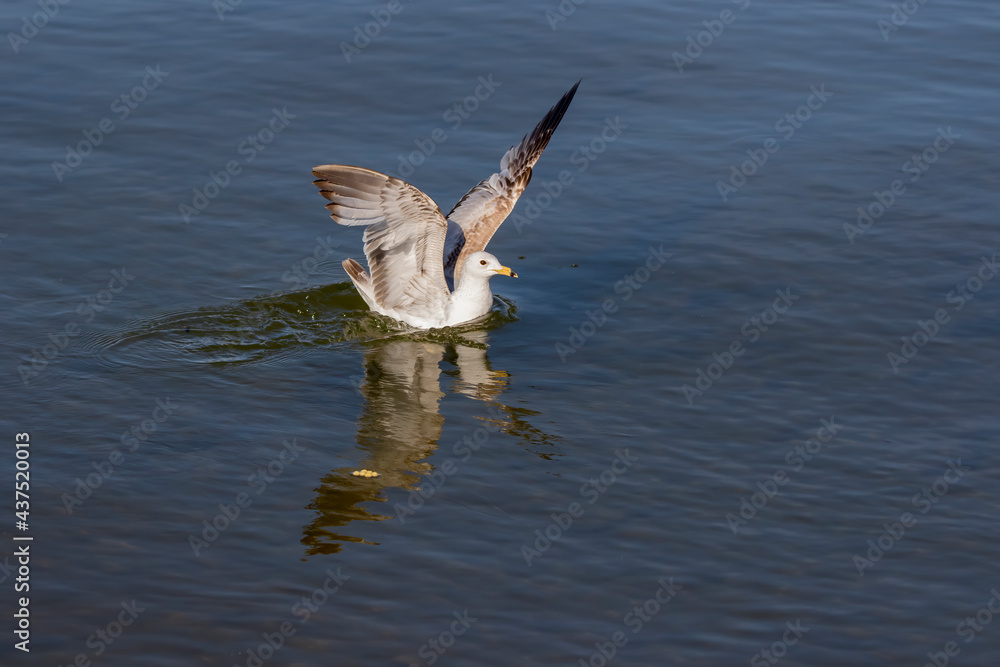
point(551, 120)
point(533, 144)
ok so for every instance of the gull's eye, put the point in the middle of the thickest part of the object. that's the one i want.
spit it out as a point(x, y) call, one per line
point(482, 262)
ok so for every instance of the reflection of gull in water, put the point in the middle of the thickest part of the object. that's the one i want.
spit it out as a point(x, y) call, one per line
point(401, 424)
point(429, 270)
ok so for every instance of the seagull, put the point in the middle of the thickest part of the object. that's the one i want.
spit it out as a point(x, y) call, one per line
point(430, 270)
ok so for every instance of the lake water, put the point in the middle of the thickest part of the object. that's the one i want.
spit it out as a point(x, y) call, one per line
point(740, 407)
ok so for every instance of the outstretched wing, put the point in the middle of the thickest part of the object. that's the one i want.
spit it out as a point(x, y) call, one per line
point(404, 235)
point(484, 207)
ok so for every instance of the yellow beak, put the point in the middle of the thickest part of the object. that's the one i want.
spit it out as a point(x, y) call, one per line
point(505, 271)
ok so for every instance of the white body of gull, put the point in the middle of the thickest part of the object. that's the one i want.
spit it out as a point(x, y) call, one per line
point(430, 270)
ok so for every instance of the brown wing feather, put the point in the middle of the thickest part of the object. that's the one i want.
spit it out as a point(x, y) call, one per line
point(481, 211)
point(404, 235)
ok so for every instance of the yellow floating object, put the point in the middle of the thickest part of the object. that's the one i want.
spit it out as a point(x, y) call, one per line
point(365, 473)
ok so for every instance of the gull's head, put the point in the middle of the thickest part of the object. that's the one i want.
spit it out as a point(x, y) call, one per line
point(486, 265)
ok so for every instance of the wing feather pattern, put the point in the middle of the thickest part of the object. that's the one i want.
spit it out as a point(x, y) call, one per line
point(481, 211)
point(404, 236)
